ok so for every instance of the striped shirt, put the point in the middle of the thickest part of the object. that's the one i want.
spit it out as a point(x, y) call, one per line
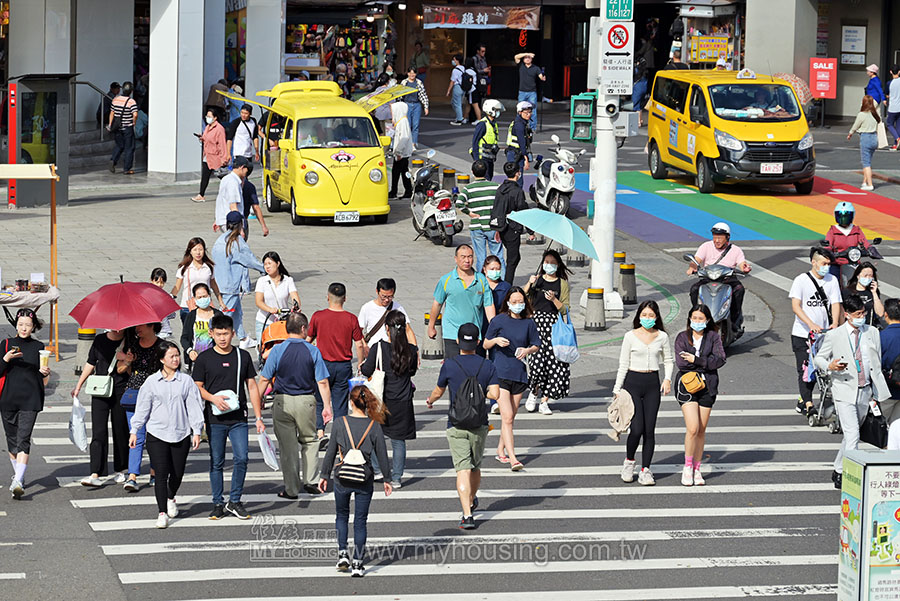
point(478, 197)
point(119, 110)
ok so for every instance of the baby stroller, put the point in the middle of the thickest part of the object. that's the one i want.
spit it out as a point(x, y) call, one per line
point(825, 414)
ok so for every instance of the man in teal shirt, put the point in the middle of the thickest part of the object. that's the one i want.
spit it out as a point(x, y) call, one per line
point(465, 297)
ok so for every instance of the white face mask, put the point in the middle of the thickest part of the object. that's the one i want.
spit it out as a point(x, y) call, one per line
point(209, 120)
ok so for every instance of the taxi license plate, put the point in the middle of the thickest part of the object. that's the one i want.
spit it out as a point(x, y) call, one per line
point(346, 217)
point(772, 168)
point(445, 216)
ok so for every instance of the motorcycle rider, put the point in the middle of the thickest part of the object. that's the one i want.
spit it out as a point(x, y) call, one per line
point(518, 139)
point(486, 136)
point(845, 235)
point(720, 251)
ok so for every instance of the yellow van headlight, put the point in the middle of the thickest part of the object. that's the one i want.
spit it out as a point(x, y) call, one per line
point(375, 175)
point(726, 140)
point(312, 178)
point(805, 142)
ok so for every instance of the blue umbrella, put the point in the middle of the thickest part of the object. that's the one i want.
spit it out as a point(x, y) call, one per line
point(556, 227)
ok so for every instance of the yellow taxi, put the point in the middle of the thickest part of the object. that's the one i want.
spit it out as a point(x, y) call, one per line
point(729, 126)
point(323, 155)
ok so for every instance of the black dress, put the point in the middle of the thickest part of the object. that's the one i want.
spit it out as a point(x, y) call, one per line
point(23, 389)
point(400, 423)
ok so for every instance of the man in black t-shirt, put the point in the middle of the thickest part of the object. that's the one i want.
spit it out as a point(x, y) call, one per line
point(529, 74)
point(225, 375)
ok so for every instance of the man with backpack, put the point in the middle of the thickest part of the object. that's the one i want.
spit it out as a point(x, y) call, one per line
point(460, 85)
point(472, 381)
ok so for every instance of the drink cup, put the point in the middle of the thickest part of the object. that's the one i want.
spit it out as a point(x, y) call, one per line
point(45, 358)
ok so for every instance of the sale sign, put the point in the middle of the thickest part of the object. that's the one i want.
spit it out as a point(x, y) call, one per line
point(823, 77)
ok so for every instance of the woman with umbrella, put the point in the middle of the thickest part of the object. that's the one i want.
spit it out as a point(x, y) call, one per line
point(22, 396)
point(234, 258)
point(549, 296)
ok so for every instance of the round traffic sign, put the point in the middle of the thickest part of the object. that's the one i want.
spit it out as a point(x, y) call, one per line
point(617, 36)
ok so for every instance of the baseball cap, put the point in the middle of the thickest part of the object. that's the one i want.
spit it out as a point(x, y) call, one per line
point(234, 217)
point(240, 161)
point(524, 106)
point(721, 62)
point(468, 336)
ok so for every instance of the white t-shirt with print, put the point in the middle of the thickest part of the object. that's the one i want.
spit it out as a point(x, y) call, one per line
point(193, 276)
point(371, 313)
point(275, 296)
point(814, 307)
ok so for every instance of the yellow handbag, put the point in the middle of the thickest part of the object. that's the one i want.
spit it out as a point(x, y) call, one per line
point(693, 382)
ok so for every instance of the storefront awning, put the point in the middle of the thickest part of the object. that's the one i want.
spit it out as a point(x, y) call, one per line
point(473, 16)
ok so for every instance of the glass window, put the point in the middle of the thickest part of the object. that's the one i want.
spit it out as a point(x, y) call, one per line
point(754, 102)
point(698, 100)
point(336, 132)
point(671, 93)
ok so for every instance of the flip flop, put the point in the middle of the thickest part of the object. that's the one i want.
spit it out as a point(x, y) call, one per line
point(502, 458)
point(517, 466)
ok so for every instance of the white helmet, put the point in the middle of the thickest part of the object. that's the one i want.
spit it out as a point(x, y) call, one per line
point(492, 107)
point(721, 228)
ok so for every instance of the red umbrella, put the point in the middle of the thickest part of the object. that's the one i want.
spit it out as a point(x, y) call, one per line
point(122, 305)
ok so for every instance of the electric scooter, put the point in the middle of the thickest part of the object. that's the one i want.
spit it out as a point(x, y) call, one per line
point(555, 180)
point(433, 209)
point(715, 293)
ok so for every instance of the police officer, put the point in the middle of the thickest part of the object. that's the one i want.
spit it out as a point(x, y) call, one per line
point(518, 139)
point(486, 136)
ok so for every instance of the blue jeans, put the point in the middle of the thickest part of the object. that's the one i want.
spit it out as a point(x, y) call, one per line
point(233, 301)
point(137, 453)
point(868, 143)
point(532, 98)
point(639, 94)
point(891, 123)
point(484, 244)
point(339, 374)
point(238, 435)
point(398, 462)
point(456, 100)
point(414, 114)
point(360, 516)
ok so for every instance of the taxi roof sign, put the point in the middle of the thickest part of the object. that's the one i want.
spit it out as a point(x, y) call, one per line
point(746, 74)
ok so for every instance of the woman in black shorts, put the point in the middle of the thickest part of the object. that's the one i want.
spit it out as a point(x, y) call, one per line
point(697, 349)
point(515, 336)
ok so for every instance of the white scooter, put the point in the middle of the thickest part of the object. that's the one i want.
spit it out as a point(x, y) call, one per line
point(433, 209)
point(555, 180)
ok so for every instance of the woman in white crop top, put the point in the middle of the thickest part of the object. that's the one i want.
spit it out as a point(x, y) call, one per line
point(643, 350)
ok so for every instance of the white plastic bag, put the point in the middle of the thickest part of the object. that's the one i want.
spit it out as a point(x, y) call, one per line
point(268, 451)
point(77, 430)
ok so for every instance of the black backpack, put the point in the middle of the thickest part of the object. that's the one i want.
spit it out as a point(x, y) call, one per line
point(466, 82)
point(469, 410)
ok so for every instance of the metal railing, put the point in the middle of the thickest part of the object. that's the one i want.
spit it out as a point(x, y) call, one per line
point(103, 118)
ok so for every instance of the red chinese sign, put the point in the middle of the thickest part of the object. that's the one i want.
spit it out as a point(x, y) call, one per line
point(471, 16)
point(823, 77)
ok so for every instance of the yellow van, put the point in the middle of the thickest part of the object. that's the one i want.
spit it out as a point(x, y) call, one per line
point(321, 153)
point(729, 126)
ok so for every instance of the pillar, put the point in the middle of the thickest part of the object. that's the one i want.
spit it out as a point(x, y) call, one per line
point(784, 44)
point(265, 45)
point(213, 42)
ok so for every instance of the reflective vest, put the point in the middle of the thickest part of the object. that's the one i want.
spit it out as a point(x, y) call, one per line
point(513, 141)
point(490, 137)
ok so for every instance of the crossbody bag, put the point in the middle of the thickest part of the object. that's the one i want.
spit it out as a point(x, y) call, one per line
point(102, 385)
point(822, 296)
point(378, 324)
point(232, 397)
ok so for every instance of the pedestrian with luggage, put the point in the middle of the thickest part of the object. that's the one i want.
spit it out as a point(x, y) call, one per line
point(402, 149)
point(645, 349)
point(139, 362)
point(472, 380)
point(698, 355)
point(357, 440)
point(169, 409)
point(398, 359)
point(195, 267)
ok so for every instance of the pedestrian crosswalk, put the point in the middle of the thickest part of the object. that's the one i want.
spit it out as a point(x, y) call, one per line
point(566, 527)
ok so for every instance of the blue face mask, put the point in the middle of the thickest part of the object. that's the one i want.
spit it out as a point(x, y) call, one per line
point(493, 274)
point(857, 321)
point(648, 322)
point(517, 308)
point(204, 302)
point(698, 326)
point(823, 270)
point(865, 282)
point(550, 268)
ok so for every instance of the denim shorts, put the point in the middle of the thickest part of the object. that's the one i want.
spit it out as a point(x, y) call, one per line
point(868, 142)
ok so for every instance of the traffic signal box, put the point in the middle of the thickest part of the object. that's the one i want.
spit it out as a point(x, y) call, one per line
point(582, 117)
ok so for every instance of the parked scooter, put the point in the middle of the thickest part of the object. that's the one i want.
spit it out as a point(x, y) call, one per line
point(555, 180)
point(433, 209)
point(715, 293)
point(854, 255)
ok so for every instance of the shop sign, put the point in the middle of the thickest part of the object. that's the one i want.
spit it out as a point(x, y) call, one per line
point(471, 16)
point(853, 59)
point(823, 77)
point(708, 48)
point(853, 38)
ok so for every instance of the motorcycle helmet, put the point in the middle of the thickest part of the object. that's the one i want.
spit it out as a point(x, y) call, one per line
point(843, 214)
point(492, 107)
point(721, 228)
point(524, 106)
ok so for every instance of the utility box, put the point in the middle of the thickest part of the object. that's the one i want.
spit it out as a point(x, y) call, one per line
point(626, 124)
point(39, 133)
point(869, 557)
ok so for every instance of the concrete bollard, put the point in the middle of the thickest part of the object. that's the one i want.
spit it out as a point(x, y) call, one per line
point(575, 259)
point(627, 284)
point(462, 180)
point(433, 349)
point(416, 164)
point(595, 312)
point(85, 339)
point(618, 259)
point(449, 179)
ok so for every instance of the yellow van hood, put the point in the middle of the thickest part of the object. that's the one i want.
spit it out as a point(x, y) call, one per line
point(342, 165)
point(775, 131)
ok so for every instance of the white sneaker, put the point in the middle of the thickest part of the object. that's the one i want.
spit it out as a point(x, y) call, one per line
point(645, 478)
point(92, 482)
point(687, 476)
point(17, 489)
point(628, 471)
point(495, 409)
point(120, 477)
point(247, 343)
point(162, 521)
point(171, 509)
point(698, 478)
point(866, 187)
point(545, 409)
point(531, 403)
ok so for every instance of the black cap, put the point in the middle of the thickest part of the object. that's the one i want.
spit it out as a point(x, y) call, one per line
point(467, 336)
point(234, 217)
point(240, 161)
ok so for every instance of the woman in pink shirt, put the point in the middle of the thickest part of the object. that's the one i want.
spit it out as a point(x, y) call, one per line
point(215, 152)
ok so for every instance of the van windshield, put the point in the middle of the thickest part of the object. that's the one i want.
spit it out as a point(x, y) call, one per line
point(335, 132)
point(754, 102)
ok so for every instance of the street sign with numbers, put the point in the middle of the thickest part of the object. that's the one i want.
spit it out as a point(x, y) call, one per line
point(619, 10)
point(617, 59)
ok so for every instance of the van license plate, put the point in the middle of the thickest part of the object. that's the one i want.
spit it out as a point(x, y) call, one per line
point(346, 217)
point(772, 168)
point(445, 215)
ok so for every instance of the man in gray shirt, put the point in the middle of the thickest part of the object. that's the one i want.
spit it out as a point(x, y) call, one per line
point(231, 193)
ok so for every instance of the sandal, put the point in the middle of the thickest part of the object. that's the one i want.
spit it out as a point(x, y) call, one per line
point(502, 458)
point(517, 466)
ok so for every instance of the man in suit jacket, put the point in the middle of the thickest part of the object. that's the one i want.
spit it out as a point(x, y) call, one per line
point(852, 353)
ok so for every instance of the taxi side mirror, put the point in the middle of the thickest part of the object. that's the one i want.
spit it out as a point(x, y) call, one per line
point(385, 141)
point(285, 144)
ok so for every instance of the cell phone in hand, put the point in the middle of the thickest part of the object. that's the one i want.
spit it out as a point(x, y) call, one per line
point(198, 135)
point(15, 349)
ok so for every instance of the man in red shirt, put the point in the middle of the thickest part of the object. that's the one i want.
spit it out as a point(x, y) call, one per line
point(335, 332)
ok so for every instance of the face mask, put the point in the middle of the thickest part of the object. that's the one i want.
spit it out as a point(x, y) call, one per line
point(203, 303)
point(209, 120)
point(389, 73)
point(865, 281)
point(857, 321)
point(698, 326)
point(648, 322)
point(823, 270)
point(493, 274)
point(454, 63)
point(550, 268)
point(517, 308)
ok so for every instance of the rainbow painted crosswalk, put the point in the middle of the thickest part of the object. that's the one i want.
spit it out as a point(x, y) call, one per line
point(674, 210)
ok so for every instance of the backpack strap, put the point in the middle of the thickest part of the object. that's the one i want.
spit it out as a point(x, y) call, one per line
point(349, 433)
point(366, 433)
